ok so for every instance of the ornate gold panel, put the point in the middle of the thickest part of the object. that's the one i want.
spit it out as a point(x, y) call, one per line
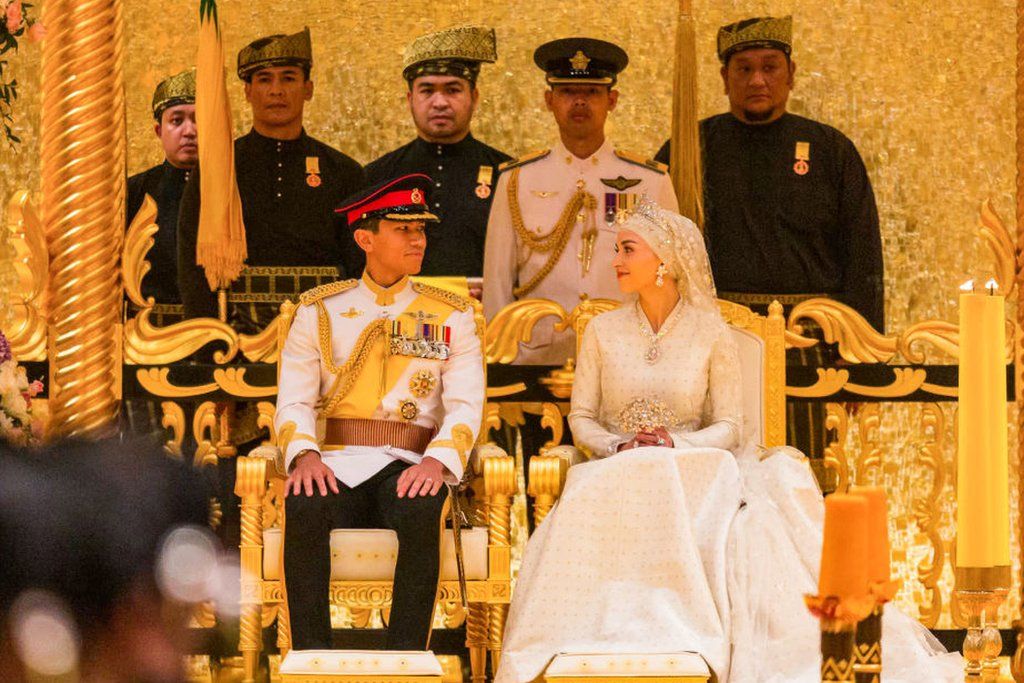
point(174, 419)
point(204, 424)
point(927, 511)
point(869, 459)
point(837, 421)
point(23, 320)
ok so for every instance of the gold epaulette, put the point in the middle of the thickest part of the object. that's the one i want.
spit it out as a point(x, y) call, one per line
point(525, 159)
point(640, 160)
point(311, 296)
point(447, 296)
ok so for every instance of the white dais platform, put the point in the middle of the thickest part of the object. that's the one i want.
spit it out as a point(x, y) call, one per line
point(360, 666)
point(669, 667)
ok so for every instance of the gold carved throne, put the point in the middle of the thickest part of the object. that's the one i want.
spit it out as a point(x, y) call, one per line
point(363, 560)
point(761, 344)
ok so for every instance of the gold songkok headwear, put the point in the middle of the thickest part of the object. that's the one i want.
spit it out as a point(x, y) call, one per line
point(456, 51)
point(276, 50)
point(174, 90)
point(757, 32)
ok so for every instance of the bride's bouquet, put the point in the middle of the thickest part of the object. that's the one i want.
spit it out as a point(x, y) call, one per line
point(18, 425)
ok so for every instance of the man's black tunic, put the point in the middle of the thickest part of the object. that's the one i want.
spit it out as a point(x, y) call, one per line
point(164, 183)
point(776, 226)
point(288, 213)
point(455, 245)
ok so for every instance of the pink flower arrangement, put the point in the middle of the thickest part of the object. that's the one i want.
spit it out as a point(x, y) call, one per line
point(18, 425)
point(15, 21)
point(14, 16)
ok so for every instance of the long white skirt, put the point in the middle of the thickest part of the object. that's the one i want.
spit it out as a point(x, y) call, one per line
point(664, 550)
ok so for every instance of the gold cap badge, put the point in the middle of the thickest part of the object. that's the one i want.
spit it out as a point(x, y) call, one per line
point(579, 61)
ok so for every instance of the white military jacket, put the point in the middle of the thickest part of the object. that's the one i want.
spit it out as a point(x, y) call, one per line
point(355, 323)
point(546, 183)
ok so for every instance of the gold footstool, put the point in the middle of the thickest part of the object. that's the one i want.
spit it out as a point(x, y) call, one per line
point(669, 667)
point(360, 666)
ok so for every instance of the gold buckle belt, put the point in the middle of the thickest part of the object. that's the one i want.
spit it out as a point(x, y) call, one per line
point(364, 432)
point(754, 299)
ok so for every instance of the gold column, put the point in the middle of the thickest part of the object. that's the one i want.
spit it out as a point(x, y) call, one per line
point(1017, 665)
point(83, 169)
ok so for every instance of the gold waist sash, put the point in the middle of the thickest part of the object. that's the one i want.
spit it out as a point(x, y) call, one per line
point(364, 432)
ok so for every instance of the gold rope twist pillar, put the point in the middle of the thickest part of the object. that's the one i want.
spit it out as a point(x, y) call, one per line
point(499, 486)
point(1017, 665)
point(476, 640)
point(250, 486)
point(83, 163)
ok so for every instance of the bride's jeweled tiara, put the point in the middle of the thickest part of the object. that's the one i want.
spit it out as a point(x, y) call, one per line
point(653, 213)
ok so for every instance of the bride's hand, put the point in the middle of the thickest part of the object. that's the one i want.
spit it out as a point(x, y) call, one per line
point(657, 437)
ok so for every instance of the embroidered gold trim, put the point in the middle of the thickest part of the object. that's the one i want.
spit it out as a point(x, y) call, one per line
point(345, 375)
point(554, 242)
point(285, 435)
point(451, 298)
point(384, 296)
point(323, 291)
point(291, 271)
point(639, 160)
point(523, 160)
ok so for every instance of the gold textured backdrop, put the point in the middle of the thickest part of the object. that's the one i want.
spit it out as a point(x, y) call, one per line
point(926, 94)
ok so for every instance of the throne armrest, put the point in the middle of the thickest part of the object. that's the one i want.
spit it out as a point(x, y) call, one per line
point(499, 470)
point(274, 458)
point(547, 477)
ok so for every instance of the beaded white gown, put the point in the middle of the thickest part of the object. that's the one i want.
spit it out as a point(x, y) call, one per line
point(700, 547)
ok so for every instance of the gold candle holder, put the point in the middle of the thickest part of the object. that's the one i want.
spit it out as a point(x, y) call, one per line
point(867, 649)
point(983, 643)
point(980, 591)
point(837, 640)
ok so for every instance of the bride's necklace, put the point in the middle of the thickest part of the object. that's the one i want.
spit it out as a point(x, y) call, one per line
point(653, 351)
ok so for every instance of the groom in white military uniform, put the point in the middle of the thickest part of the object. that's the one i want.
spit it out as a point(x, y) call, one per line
point(393, 368)
point(551, 231)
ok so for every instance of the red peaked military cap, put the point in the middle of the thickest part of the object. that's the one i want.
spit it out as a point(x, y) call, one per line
point(399, 199)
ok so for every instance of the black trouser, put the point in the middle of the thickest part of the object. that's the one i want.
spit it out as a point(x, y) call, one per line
point(374, 504)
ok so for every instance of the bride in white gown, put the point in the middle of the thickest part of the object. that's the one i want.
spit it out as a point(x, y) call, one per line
point(676, 535)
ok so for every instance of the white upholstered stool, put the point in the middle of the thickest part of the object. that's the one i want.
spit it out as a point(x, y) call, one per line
point(669, 667)
point(360, 666)
point(370, 554)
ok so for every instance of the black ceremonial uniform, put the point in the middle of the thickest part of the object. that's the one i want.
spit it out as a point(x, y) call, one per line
point(164, 183)
point(289, 190)
point(776, 223)
point(464, 175)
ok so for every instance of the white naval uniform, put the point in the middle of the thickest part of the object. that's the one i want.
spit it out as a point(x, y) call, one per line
point(456, 397)
point(546, 185)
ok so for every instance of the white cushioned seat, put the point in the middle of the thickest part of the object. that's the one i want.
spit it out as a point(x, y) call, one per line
point(750, 349)
point(684, 667)
point(354, 665)
point(370, 554)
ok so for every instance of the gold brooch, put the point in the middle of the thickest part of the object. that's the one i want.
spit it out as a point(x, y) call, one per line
point(646, 415)
point(408, 409)
point(422, 383)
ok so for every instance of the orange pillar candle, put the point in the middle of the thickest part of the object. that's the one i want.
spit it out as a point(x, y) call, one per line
point(844, 570)
point(877, 558)
point(982, 487)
